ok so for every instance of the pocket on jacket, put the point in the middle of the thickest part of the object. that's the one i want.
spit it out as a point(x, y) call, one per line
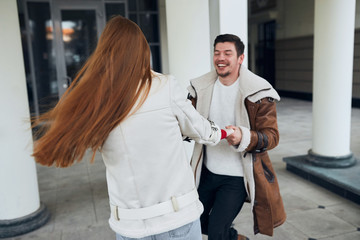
point(267, 172)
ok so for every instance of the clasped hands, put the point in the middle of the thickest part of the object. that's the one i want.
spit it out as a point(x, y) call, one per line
point(234, 138)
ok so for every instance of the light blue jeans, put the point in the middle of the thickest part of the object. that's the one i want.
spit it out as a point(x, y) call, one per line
point(190, 231)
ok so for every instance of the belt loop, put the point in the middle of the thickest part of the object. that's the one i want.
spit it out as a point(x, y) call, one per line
point(116, 213)
point(175, 204)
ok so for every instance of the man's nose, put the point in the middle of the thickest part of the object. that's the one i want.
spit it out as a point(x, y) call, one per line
point(221, 57)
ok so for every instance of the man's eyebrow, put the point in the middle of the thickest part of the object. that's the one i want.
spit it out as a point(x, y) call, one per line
point(228, 50)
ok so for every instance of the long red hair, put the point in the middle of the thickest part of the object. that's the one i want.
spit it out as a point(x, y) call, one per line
point(114, 80)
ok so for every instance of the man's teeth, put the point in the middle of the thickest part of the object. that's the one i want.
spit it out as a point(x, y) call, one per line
point(221, 65)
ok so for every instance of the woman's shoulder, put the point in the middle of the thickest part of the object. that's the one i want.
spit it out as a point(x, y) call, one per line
point(156, 76)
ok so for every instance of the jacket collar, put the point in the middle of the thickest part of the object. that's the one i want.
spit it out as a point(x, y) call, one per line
point(250, 84)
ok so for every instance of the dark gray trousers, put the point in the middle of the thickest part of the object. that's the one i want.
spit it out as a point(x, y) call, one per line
point(223, 197)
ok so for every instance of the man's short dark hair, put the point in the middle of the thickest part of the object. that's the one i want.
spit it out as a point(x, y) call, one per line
point(239, 45)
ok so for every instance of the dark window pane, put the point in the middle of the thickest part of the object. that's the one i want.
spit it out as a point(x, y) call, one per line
point(114, 9)
point(41, 30)
point(148, 5)
point(149, 25)
point(79, 37)
point(132, 5)
point(133, 18)
point(155, 55)
point(26, 57)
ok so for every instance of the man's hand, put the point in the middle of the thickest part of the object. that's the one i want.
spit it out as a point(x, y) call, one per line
point(235, 138)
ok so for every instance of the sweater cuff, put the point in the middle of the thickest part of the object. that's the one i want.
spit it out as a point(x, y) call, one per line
point(245, 140)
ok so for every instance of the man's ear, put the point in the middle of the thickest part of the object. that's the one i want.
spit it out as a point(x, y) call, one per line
point(241, 59)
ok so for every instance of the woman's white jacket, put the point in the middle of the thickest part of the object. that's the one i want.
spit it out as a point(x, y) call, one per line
point(150, 181)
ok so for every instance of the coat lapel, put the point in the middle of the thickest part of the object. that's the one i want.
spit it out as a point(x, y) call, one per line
point(204, 86)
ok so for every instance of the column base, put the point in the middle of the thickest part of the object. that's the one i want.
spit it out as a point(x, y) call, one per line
point(330, 162)
point(18, 226)
point(342, 181)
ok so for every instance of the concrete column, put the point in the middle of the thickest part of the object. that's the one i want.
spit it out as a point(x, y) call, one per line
point(20, 208)
point(188, 34)
point(333, 70)
point(230, 16)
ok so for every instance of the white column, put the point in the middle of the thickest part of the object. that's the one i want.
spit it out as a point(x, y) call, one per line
point(188, 38)
point(19, 194)
point(188, 35)
point(333, 66)
point(230, 16)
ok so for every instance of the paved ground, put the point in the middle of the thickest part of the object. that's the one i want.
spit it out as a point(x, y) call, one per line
point(78, 202)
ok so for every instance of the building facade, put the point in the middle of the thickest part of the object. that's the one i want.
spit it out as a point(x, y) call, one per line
point(281, 34)
point(58, 36)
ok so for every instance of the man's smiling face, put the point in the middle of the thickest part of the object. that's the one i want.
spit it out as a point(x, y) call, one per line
point(226, 61)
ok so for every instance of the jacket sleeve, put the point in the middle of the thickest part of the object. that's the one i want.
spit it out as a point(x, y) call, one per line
point(264, 134)
point(191, 123)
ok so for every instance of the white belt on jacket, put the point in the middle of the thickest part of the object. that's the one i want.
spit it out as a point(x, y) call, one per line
point(172, 205)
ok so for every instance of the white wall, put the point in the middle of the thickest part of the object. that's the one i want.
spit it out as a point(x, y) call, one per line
point(229, 16)
point(233, 18)
point(188, 38)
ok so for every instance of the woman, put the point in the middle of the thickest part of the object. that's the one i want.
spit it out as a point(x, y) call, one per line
point(136, 118)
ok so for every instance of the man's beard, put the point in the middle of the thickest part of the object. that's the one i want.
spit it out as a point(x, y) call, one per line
point(223, 74)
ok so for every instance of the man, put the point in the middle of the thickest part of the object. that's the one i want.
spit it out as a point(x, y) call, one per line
point(225, 174)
